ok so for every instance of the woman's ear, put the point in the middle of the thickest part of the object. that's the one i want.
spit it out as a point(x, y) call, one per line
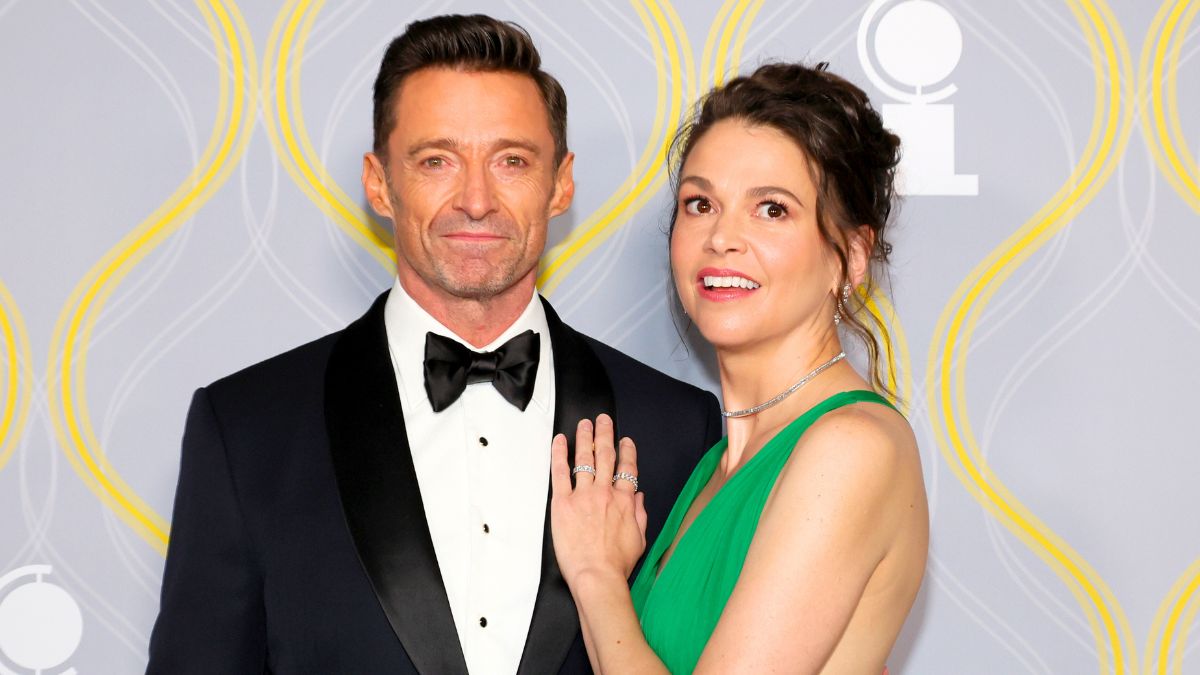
point(859, 244)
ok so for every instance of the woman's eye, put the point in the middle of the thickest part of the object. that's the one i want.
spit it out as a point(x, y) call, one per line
point(697, 206)
point(770, 210)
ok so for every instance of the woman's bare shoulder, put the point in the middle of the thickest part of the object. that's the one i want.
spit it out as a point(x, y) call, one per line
point(863, 454)
point(867, 435)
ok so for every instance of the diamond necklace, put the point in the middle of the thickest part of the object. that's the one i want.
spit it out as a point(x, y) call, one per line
point(788, 392)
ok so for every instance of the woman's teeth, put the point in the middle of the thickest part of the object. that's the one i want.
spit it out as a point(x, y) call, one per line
point(729, 282)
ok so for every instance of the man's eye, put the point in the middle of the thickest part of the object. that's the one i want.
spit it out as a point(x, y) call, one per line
point(515, 160)
point(697, 206)
point(434, 162)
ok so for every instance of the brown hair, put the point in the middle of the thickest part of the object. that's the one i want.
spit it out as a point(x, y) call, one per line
point(472, 43)
point(852, 157)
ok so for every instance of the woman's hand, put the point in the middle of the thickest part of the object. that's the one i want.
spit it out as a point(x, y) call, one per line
point(599, 527)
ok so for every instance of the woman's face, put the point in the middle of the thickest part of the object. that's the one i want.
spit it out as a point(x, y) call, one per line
point(748, 258)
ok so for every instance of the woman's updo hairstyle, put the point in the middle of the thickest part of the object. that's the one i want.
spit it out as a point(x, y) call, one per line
point(851, 155)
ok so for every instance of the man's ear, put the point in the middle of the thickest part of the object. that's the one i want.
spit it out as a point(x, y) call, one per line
point(374, 180)
point(564, 186)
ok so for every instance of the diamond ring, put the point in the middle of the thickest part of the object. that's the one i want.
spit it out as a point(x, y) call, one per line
point(625, 475)
point(585, 468)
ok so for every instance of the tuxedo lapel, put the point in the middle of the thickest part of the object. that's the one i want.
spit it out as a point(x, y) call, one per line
point(381, 497)
point(581, 389)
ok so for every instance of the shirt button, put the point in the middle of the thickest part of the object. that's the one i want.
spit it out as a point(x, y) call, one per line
point(483, 441)
point(483, 622)
point(486, 529)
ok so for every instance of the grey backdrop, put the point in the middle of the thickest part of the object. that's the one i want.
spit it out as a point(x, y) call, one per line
point(180, 199)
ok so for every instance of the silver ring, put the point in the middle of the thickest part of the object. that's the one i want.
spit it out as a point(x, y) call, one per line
point(625, 475)
point(585, 468)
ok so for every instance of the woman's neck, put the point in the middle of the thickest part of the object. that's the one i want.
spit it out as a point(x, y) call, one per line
point(753, 375)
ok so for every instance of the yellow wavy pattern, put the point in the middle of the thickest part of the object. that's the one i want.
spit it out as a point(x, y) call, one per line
point(17, 368)
point(1161, 124)
point(673, 62)
point(284, 117)
point(714, 66)
point(744, 16)
point(1167, 641)
point(946, 381)
point(1159, 82)
point(72, 333)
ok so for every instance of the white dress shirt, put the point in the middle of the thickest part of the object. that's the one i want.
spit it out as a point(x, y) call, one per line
point(483, 466)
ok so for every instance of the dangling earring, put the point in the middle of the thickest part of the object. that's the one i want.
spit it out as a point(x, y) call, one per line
point(841, 303)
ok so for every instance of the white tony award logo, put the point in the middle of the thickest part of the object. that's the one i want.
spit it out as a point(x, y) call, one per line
point(40, 624)
point(918, 43)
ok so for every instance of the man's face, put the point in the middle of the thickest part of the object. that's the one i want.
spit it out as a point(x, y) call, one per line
point(469, 184)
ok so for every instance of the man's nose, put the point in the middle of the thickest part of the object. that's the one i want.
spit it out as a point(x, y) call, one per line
point(476, 197)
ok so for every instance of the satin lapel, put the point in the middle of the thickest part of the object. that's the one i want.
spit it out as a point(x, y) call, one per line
point(381, 498)
point(581, 389)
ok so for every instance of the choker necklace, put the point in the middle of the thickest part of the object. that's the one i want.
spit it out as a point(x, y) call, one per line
point(790, 390)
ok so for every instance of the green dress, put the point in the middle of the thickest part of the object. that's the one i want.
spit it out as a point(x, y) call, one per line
point(679, 605)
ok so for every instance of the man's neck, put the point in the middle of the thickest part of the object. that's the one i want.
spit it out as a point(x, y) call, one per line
point(478, 321)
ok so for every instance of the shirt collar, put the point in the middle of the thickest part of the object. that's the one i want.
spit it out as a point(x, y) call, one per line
point(406, 323)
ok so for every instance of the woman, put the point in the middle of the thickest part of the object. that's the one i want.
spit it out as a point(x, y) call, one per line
point(799, 543)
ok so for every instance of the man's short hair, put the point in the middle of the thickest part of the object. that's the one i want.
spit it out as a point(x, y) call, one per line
point(475, 43)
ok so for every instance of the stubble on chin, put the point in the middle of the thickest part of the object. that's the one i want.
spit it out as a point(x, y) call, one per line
point(465, 275)
point(481, 287)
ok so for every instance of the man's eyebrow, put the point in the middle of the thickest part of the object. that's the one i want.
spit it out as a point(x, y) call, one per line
point(522, 143)
point(768, 190)
point(455, 145)
point(433, 144)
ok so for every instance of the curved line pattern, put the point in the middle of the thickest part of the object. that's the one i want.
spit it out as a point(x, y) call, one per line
point(720, 37)
point(720, 21)
point(17, 370)
point(649, 174)
point(739, 42)
point(1167, 640)
point(946, 380)
point(1019, 293)
point(1162, 127)
point(284, 120)
point(73, 330)
point(1189, 620)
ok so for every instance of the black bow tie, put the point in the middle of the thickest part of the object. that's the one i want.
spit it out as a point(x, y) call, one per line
point(450, 366)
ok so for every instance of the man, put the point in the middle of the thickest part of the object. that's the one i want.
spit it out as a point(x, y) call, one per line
point(376, 501)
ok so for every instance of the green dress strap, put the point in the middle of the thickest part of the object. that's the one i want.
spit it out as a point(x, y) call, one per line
point(679, 603)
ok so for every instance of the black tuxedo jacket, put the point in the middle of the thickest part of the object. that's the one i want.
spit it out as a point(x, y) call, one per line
point(299, 542)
